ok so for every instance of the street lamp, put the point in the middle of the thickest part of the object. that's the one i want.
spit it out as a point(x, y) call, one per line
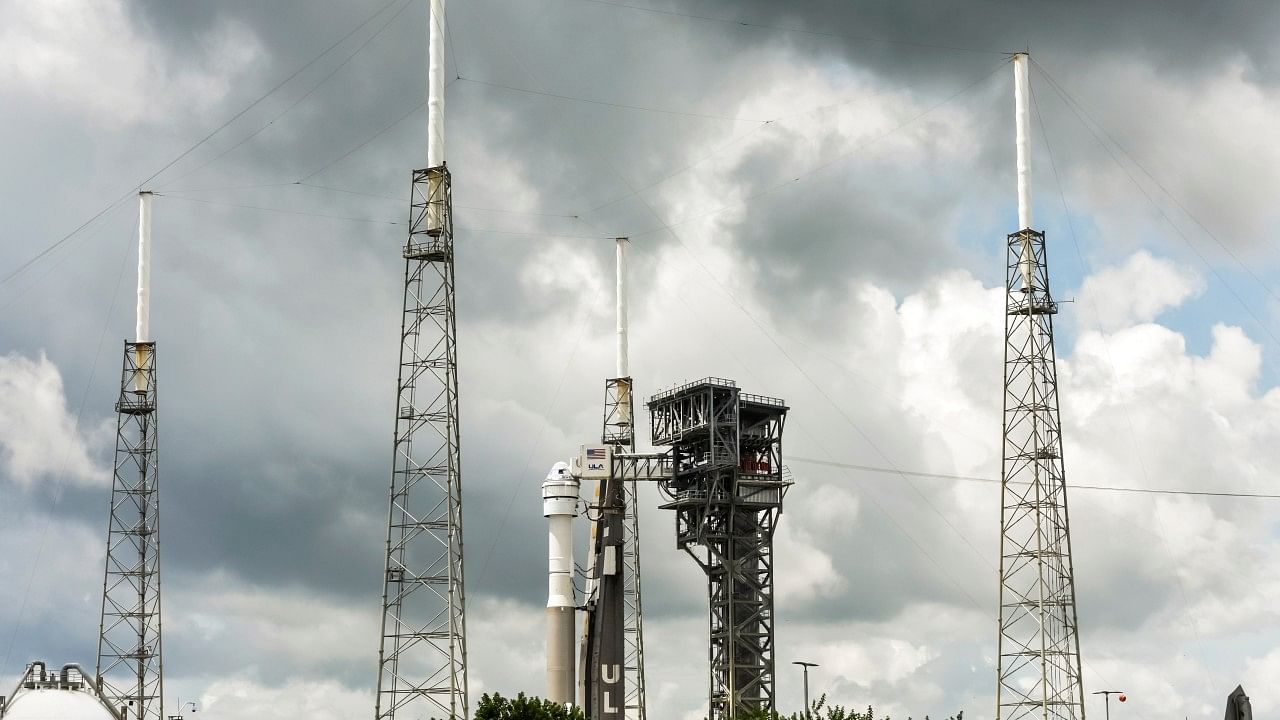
point(806, 666)
point(1107, 694)
point(182, 706)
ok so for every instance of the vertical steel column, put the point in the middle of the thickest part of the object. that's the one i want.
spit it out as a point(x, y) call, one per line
point(422, 659)
point(129, 668)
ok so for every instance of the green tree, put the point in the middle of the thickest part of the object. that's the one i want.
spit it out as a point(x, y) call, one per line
point(496, 707)
point(819, 710)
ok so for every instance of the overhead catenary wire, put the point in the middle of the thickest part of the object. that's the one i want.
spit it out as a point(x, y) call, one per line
point(280, 210)
point(59, 482)
point(178, 158)
point(1128, 416)
point(606, 103)
point(1070, 486)
point(697, 215)
point(298, 101)
point(1084, 113)
point(1266, 329)
point(800, 31)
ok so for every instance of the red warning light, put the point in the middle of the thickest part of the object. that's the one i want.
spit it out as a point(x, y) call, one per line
point(1123, 698)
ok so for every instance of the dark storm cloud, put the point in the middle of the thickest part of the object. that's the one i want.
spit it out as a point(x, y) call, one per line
point(278, 332)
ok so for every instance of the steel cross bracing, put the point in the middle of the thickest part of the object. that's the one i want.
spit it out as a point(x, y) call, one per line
point(422, 659)
point(1039, 648)
point(619, 431)
point(130, 670)
point(727, 488)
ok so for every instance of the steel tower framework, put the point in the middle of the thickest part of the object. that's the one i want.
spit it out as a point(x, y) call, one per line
point(619, 431)
point(1039, 647)
point(129, 666)
point(727, 488)
point(422, 657)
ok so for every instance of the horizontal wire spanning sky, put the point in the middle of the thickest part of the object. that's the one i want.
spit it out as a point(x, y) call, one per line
point(817, 195)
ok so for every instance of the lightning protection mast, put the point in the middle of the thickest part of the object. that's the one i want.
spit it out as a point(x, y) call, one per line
point(422, 656)
point(1039, 648)
point(619, 431)
point(130, 673)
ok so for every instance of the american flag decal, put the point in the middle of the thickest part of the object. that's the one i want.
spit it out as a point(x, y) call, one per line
point(596, 453)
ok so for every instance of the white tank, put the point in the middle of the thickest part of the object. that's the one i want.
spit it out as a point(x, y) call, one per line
point(45, 694)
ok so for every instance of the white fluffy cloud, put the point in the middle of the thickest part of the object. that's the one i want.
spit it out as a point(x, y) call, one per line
point(128, 77)
point(1136, 292)
point(39, 436)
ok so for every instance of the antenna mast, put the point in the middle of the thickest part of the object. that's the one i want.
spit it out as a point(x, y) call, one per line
point(1039, 648)
point(422, 656)
point(130, 672)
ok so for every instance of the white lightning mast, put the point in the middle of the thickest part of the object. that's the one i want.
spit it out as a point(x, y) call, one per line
point(130, 669)
point(1038, 647)
point(422, 656)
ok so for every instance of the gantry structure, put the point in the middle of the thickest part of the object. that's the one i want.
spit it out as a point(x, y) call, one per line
point(726, 487)
point(1039, 645)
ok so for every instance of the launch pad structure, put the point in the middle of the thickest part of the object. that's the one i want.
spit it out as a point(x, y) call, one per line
point(726, 488)
point(724, 478)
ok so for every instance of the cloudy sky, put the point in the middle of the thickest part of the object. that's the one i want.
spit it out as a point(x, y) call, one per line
point(817, 197)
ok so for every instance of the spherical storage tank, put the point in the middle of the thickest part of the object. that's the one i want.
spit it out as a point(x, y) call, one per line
point(45, 694)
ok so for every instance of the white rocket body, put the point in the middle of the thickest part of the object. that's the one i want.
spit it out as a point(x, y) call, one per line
point(560, 493)
point(1022, 121)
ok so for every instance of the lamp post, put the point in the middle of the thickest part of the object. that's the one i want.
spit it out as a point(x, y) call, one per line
point(1107, 695)
point(806, 666)
point(182, 706)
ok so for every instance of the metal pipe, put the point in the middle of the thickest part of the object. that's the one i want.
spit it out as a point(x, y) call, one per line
point(560, 506)
point(1022, 115)
point(435, 87)
point(1022, 119)
point(142, 351)
point(144, 266)
point(623, 321)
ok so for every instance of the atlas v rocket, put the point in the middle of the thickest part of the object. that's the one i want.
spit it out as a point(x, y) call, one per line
point(603, 644)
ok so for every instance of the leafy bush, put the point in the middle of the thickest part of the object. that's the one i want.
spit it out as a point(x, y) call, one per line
point(821, 711)
point(496, 707)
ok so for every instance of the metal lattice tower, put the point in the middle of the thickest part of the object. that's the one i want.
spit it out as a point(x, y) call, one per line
point(129, 667)
point(422, 658)
point(619, 431)
point(1039, 646)
point(727, 489)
